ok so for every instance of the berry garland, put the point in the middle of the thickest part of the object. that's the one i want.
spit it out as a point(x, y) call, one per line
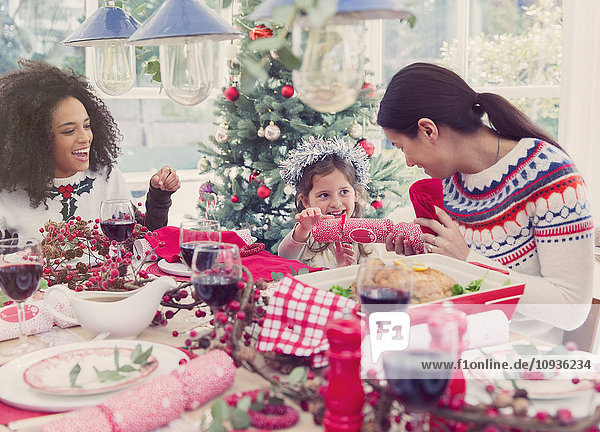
point(274, 417)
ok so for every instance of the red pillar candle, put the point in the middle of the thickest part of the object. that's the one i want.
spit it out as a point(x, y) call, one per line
point(345, 396)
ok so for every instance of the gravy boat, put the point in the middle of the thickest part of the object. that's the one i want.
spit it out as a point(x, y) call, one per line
point(124, 315)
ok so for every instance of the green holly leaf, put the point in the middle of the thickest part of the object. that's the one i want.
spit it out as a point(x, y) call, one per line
point(297, 375)
point(74, 374)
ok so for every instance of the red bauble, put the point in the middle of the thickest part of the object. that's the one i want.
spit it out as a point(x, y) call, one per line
point(232, 93)
point(367, 146)
point(377, 204)
point(234, 198)
point(287, 91)
point(252, 176)
point(370, 90)
point(263, 191)
point(260, 31)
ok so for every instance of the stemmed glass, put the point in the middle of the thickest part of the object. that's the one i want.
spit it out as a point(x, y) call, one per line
point(117, 220)
point(216, 272)
point(21, 265)
point(384, 288)
point(193, 232)
point(415, 386)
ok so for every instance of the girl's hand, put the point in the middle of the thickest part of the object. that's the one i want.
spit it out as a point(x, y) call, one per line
point(344, 254)
point(398, 244)
point(306, 219)
point(448, 240)
point(166, 179)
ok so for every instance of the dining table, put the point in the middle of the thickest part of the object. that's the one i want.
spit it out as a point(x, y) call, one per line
point(181, 323)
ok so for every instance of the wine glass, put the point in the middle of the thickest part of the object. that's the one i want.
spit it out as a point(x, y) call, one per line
point(117, 220)
point(416, 386)
point(21, 265)
point(384, 288)
point(216, 272)
point(192, 232)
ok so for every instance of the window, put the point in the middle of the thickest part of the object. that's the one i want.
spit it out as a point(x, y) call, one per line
point(509, 47)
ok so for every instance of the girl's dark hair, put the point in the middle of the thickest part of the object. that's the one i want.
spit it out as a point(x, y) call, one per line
point(424, 90)
point(323, 167)
point(28, 98)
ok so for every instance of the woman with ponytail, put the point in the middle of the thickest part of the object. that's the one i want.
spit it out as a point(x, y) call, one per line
point(513, 198)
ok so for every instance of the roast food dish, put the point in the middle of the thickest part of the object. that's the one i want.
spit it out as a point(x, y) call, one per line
point(430, 284)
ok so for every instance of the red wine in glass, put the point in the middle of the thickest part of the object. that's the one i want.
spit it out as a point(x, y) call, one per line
point(216, 290)
point(19, 281)
point(21, 264)
point(192, 232)
point(384, 300)
point(416, 388)
point(117, 230)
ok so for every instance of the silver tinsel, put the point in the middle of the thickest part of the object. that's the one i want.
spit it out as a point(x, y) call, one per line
point(314, 149)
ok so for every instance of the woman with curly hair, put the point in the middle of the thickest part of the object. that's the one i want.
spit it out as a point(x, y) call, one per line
point(58, 147)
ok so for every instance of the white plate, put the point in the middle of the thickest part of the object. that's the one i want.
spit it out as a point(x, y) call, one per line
point(14, 391)
point(52, 374)
point(176, 268)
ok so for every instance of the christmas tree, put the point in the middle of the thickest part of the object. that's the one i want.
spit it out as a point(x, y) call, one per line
point(259, 122)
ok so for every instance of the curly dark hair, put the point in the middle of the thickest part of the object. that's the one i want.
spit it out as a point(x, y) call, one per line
point(28, 98)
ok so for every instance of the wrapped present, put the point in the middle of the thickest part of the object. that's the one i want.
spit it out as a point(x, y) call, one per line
point(154, 403)
point(296, 319)
point(365, 230)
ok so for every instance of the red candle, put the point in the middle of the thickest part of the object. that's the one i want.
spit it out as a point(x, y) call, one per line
point(345, 396)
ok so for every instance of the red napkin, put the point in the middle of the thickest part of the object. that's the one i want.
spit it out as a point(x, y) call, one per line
point(296, 318)
point(170, 236)
point(262, 264)
point(425, 195)
point(154, 403)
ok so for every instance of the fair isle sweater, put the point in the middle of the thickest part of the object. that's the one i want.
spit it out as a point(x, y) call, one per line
point(530, 213)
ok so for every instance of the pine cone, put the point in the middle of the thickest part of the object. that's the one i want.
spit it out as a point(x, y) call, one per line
point(82, 268)
point(72, 284)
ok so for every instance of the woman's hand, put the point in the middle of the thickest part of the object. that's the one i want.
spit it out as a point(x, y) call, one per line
point(398, 244)
point(306, 219)
point(448, 240)
point(166, 179)
point(344, 254)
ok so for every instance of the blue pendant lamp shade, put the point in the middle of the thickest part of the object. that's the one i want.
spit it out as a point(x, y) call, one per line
point(106, 31)
point(189, 19)
point(185, 32)
point(362, 9)
point(103, 27)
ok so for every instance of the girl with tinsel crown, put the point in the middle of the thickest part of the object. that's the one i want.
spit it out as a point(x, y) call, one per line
point(330, 177)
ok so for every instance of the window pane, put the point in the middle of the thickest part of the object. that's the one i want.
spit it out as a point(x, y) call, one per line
point(543, 111)
point(160, 132)
point(512, 42)
point(436, 23)
point(33, 29)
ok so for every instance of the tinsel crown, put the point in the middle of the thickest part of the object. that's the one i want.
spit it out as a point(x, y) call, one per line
point(314, 149)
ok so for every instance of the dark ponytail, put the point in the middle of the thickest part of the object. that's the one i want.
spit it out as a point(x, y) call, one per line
point(424, 90)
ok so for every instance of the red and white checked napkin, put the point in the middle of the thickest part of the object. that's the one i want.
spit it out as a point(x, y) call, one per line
point(296, 318)
point(154, 403)
point(365, 230)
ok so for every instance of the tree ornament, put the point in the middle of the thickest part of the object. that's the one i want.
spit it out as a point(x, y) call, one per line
point(367, 146)
point(378, 204)
point(260, 32)
point(288, 190)
point(272, 132)
point(232, 93)
point(373, 118)
point(221, 134)
point(205, 189)
point(287, 91)
point(370, 90)
point(261, 132)
point(263, 191)
point(274, 54)
point(253, 175)
point(203, 164)
point(355, 130)
point(234, 198)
